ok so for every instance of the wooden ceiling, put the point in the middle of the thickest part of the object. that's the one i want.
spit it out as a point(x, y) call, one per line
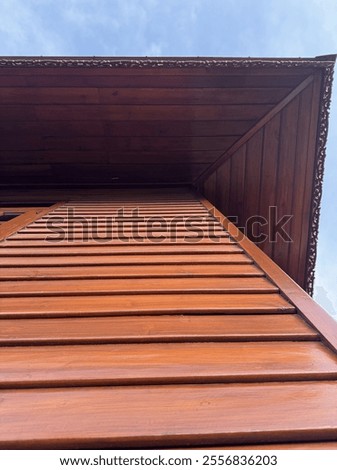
point(132, 121)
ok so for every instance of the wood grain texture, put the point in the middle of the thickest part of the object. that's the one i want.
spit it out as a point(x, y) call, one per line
point(147, 345)
point(159, 328)
point(279, 155)
point(170, 363)
point(130, 271)
point(305, 305)
point(141, 286)
point(23, 220)
point(150, 248)
point(137, 304)
point(118, 416)
point(70, 126)
point(122, 259)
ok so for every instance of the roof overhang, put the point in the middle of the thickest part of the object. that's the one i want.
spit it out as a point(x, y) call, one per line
point(104, 121)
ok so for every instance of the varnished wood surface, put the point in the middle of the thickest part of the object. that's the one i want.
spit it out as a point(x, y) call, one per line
point(136, 125)
point(305, 305)
point(144, 345)
point(274, 167)
point(154, 271)
point(100, 417)
point(168, 363)
point(159, 328)
point(125, 259)
point(131, 304)
point(126, 250)
point(141, 286)
point(323, 445)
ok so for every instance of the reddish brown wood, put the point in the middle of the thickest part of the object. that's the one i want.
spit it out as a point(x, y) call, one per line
point(170, 363)
point(143, 286)
point(137, 304)
point(115, 416)
point(160, 328)
point(23, 220)
point(259, 125)
point(128, 271)
point(304, 304)
point(122, 259)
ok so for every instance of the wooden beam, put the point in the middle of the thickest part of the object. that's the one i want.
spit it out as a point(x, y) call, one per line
point(22, 220)
point(262, 122)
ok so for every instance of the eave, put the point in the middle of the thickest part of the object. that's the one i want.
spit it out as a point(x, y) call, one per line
point(178, 157)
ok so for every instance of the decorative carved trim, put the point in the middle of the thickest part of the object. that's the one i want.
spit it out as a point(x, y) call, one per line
point(110, 62)
point(318, 176)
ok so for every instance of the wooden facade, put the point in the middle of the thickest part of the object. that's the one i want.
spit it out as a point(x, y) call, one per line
point(187, 334)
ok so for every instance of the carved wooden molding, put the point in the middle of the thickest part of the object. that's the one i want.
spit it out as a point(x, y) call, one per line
point(325, 101)
point(110, 62)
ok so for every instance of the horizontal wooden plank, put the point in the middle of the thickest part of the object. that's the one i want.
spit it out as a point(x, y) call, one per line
point(170, 363)
point(43, 155)
point(126, 128)
point(129, 271)
point(149, 329)
point(39, 237)
point(135, 69)
point(146, 80)
point(138, 304)
point(102, 417)
point(111, 260)
point(113, 146)
point(39, 242)
point(321, 445)
point(102, 228)
point(178, 220)
point(133, 112)
point(92, 95)
point(101, 174)
point(141, 286)
point(129, 211)
point(99, 250)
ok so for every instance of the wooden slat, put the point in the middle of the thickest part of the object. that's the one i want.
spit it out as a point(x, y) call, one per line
point(190, 230)
point(78, 237)
point(285, 172)
point(97, 417)
point(252, 182)
point(302, 152)
point(140, 286)
point(162, 328)
point(170, 363)
point(127, 129)
point(129, 271)
point(115, 146)
point(35, 242)
point(129, 304)
point(322, 445)
point(269, 180)
point(83, 250)
point(175, 80)
point(178, 221)
point(156, 70)
point(74, 95)
point(122, 259)
point(133, 112)
point(165, 172)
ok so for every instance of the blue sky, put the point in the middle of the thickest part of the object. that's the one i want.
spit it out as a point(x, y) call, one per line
point(229, 28)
